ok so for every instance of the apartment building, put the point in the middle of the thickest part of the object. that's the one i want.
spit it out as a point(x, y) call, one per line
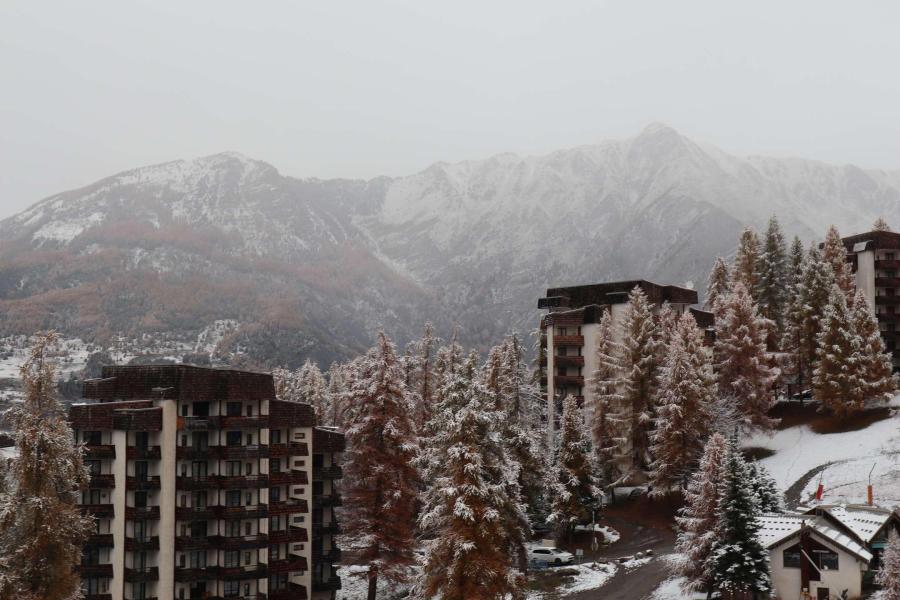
point(875, 257)
point(569, 333)
point(205, 486)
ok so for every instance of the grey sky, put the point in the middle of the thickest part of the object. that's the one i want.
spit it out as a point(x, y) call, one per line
point(358, 89)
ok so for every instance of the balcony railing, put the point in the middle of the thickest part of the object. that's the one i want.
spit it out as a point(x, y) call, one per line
point(142, 483)
point(100, 451)
point(146, 452)
point(242, 512)
point(289, 477)
point(198, 423)
point(94, 571)
point(291, 449)
point(575, 380)
point(103, 481)
point(291, 534)
point(146, 542)
point(195, 513)
point(196, 482)
point(240, 542)
point(184, 575)
point(890, 265)
point(568, 340)
point(229, 482)
point(326, 500)
point(320, 529)
point(332, 555)
point(291, 591)
point(241, 573)
point(137, 575)
point(195, 542)
point(232, 452)
point(243, 422)
point(101, 511)
point(100, 539)
point(284, 507)
point(98, 597)
point(192, 452)
point(332, 472)
point(140, 513)
point(291, 562)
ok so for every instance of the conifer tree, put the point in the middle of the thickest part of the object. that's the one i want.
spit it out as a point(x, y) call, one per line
point(472, 492)
point(574, 488)
point(684, 408)
point(835, 254)
point(746, 262)
point(421, 358)
point(380, 490)
point(888, 577)
point(837, 380)
point(811, 297)
point(718, 284)
point(742, 366)
point(773, 279)
point(640, 360)
point(306, 385)
point(740, 563)
point(874, 362)
point(338, 392)
point(605, 397)
point(666, 323)
point(880, 225)
point(795, 264)
point(699, 518)
point(769, 497)
point(41, 527)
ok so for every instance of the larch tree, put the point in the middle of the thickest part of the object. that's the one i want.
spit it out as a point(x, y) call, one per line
point(718, 284)
point(684, 409)
point(306, 385)
point(740, 563)
point(381, 487)
point(888, 576)
point(837, 380)
point(881, 225)
point(698, 519)
point(640, 359)
point(574, 487)
point(741, 363)
point(472, 489)
point(773, 279)
point(769, 498)
point(811, 297)
point(421, 378)
point(746, 261)
point(41, 527)
point(338, 392)
point(835, 254)
point(666, 323)
point(795, 264)
point(605, 397)
point(874, 362)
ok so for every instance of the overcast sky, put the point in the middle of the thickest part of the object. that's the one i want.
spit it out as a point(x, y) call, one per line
point(358, 89)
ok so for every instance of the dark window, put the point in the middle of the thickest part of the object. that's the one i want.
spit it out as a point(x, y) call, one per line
point(792, 557)
point(275, 494)
point(274, 465)
point(198, 529)
point(140, 470)
point(142, 439)
point(233, 409)
point(198, 500)
point(232, 438)
point(825, 559)
point(200, 440)
point(201, 409)
point(232, 559)
point(198, 559)
point(140, 499)
point(233, 498)
point(91, 555)
point(93, 466)
point(275, 436)
point(91, 438)
point(249, 410)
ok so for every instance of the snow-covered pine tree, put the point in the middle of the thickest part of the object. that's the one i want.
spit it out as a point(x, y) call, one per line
point(338, 391)
point(684, 408)
point(773, 279)
point(605, 397)
point(718, 284)
point(698, 520)
point(880, 225)
point(306, 385)
point(741, 363)
point(666, 323)
point(574, 488)
point(835, 254)
point(811, 297)
point(640, 358)
point(472, 491)
point(746, 261)
point(740, 563)
point(795, 264)
point(837, 381)
point(888, 576)
point(380, 488)
point(41, 527)
point(420, 358)
point(874, 362)
point(769, 498)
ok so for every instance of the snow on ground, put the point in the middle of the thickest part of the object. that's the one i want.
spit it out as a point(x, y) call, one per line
point(634, 563)
point(610, 535)
point(8, 452)
point(798, 450)
point(670, 589)
point(355, 587)
point(589, 576)
point(71, 355)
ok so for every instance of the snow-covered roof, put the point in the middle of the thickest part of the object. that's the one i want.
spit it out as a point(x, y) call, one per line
point(862, 521)
point(777, 528)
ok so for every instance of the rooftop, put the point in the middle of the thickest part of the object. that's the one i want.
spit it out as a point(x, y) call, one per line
point(776, 528)
point(615, 292)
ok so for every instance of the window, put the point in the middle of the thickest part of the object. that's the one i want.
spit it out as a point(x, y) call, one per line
point(232, 438)
point(184, 410)
point(274, 465)
point(140, 470)
point(140, 499)
point(248, 558)
point(199, 469)
point(142, 439)
point(275, 494)
point(249, 410)
point(198, 559)
point(276, 523)
point(90, 555)
point(93, 466)
point(233, 467)
point(248, 528)
point(826, 559)
point(248, 469)
point(233, 558)
point(92, 438)
point(198, 529)
point(275, 436)
point(792, 557)
point(249, 439)
point(275, 552)
point(233, 409)
point(278, 581)
point(233, 498)
point(233, 529)
point(232, 588)
point(198, 499)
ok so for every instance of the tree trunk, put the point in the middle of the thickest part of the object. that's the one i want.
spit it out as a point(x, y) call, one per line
point(373, 585)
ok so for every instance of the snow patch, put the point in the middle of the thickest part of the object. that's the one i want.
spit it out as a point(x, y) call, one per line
point(66, 231)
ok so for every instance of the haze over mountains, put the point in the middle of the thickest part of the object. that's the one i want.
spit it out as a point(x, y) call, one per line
point(311, 267)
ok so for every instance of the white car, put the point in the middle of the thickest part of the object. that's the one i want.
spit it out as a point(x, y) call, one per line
point(548, 555)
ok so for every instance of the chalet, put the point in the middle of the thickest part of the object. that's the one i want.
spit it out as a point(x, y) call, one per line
point(869, 525)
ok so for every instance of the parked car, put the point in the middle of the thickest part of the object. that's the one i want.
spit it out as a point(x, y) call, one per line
point(547, 555)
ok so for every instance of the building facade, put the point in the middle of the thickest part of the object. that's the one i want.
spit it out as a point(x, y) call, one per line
point(569, 334)
point(204, 485)
point(875, 257)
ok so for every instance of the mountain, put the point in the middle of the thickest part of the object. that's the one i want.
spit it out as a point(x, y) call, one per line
point(311, 267)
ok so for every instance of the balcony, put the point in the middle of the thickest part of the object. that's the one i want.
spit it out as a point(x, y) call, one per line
point(331, 556)
point(242, 422)
point(241, 542)
point(141, 574)
point(291, 562)
point(195, 542)
point(103, 481)
point(323, 473)
point(100, 539)
point(142, 483)
point(198, 423)
point(230, 482)
point(573, 380)
point(191, 452)
point(196, 482)
point(286, 507)
point(331, 584)
point(291, 591)
point(240, 573)
point(242, 512)
point(289, 477)
point(101, 511)
point(327, 500)
point(100, 451)
point(292, 449)
point(291, 534)
point(232, 452)
point(147, 452)
point(887, 300)
point(141, 513)
point(890, 265)
point(568, 340)
point(568, 361)
point(98, 597)
point(95, 571)
point(196, 513)
point(183, 575)
point(320, 529)
point(135, 544)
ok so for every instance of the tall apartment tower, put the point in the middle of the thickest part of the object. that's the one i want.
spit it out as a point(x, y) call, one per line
point(206, 486)
point(569, 334)
point(875, 257)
